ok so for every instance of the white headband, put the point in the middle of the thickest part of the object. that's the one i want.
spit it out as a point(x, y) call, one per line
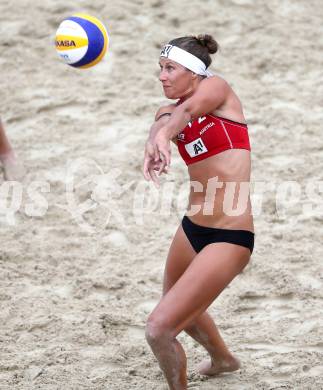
point(186, 59)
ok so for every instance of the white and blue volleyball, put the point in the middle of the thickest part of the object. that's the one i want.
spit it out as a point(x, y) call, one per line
point(81, 41)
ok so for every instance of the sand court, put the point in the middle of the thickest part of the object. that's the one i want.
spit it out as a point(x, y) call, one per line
point(76, 290)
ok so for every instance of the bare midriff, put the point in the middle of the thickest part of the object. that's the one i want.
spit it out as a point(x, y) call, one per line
point(225, 205)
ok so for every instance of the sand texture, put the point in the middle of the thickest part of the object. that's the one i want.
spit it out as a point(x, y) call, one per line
point(76, 287)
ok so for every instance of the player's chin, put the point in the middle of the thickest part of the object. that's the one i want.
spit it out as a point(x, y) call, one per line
point(169, 94)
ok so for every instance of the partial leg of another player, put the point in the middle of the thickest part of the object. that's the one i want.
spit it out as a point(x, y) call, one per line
point(13, 169)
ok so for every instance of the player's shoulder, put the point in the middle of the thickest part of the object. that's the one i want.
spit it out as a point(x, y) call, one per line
point(214, 81)
point(165, 109)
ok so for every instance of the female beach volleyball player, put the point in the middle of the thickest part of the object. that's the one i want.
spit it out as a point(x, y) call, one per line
point(212, 245)
point(13, 169)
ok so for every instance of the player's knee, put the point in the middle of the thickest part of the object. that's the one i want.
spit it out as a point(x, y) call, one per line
point(157, 332)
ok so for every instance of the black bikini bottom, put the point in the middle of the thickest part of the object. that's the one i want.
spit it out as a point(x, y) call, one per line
point(200, 236)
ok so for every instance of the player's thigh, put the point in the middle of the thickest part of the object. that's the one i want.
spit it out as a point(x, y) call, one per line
point(180, 256)
point(203, 280)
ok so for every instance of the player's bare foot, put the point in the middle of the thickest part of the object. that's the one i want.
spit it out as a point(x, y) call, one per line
point(210, 367)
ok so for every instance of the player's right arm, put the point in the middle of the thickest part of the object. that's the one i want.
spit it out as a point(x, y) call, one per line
point(161, 118)
point(152, 160)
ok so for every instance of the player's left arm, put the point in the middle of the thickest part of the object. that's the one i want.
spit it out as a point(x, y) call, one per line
point(211, 94)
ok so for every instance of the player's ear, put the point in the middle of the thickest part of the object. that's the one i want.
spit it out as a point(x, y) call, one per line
point(194, 76)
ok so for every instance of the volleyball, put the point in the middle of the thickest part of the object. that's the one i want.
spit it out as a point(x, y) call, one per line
point(81, 41)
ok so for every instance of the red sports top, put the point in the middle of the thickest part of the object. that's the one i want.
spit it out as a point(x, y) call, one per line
point(209, 135)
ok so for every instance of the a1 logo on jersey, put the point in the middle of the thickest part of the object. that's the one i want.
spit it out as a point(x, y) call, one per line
point(196, 147)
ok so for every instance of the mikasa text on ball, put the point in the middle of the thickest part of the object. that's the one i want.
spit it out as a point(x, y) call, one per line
point(81, 41)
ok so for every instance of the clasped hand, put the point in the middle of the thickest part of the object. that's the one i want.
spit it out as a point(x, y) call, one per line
point(157, 157)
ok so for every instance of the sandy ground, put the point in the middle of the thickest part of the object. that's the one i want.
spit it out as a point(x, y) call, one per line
point(76, 288)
